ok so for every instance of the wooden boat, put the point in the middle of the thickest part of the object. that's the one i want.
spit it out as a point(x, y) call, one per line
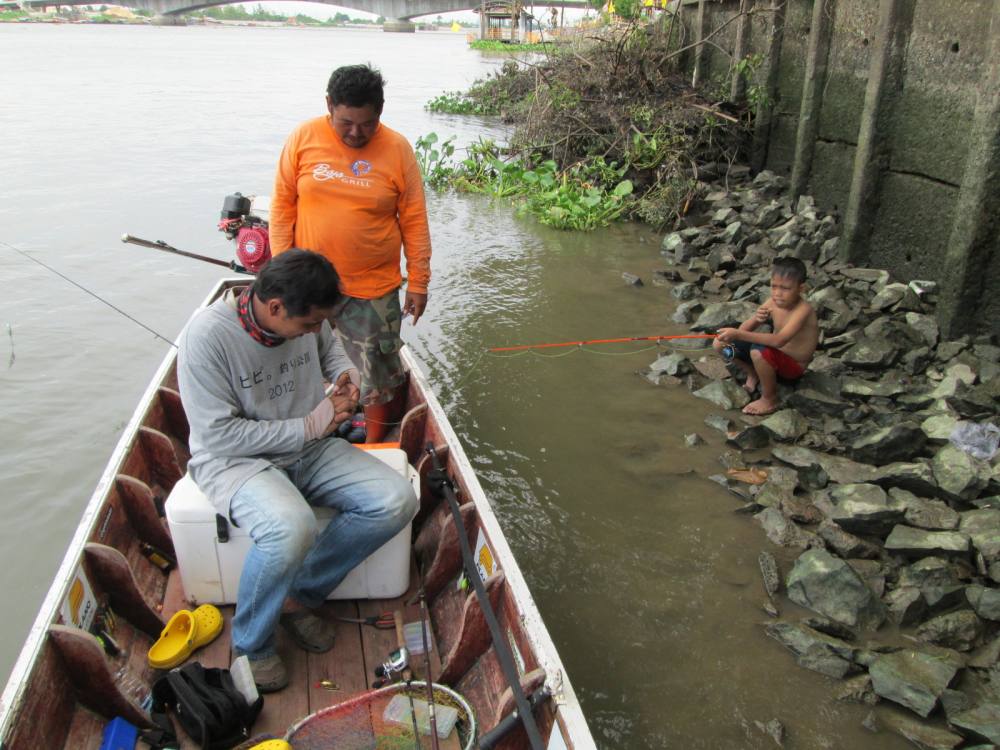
point(65, 687)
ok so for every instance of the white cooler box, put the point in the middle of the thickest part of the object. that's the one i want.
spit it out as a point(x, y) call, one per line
point(210, 569)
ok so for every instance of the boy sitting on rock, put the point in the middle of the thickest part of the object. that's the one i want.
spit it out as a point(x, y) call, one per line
point(765, 357)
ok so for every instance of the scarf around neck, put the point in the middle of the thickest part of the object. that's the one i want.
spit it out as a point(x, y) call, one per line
point(244, 309)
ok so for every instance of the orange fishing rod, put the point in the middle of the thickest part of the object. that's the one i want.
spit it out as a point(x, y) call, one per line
point(600, 341)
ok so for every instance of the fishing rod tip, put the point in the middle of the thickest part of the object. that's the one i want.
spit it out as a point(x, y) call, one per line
point(125, 237)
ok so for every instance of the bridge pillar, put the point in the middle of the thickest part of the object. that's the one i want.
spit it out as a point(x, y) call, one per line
point(399, 26)
point(168, 20)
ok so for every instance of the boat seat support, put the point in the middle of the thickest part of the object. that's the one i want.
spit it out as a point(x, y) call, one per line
point(87, 669)
point(109, 569)
point(474, 636)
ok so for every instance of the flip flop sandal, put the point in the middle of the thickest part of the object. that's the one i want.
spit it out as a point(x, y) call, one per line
point(176, 642)
point(207, 625)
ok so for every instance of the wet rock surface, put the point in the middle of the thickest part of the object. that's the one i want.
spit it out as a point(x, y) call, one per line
point(882, 507)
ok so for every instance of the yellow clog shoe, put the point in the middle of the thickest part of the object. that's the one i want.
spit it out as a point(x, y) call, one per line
point(272, 745)
point(176, 642)
point(207, 625)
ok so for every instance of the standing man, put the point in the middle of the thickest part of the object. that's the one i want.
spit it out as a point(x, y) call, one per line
point(350, 188)
point(251, 368)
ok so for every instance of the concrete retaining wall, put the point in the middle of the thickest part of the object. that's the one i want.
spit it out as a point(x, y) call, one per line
point(888, 112)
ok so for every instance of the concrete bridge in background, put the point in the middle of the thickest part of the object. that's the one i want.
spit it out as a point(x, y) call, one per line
point(396, 10)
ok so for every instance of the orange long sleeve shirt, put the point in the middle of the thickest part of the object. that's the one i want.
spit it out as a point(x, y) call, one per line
point(356, 206)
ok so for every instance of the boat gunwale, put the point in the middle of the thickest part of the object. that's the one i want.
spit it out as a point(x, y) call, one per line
point(531, 619)
point(48, 611)
point(570, 714)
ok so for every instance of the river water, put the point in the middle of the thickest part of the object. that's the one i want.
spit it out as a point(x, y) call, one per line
point(646, 579)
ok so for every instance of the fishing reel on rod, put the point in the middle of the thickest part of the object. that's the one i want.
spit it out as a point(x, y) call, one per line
point(243, 219)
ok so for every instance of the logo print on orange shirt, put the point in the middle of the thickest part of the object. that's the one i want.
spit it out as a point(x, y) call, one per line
point(361, 168)
point(323, 172)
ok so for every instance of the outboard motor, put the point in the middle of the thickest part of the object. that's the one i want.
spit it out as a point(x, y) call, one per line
point(242, 223)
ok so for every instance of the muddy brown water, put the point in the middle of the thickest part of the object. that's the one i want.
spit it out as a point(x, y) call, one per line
point(646, 579)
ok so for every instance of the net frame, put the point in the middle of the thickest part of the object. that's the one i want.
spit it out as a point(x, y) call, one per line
point(416, 688)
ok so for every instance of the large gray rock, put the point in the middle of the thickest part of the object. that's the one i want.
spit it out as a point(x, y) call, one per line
point(826, 584)
point(979, 723)
point(675, 364)
point(983, 527)
point(912, 679)
point(920, 543)
point(958, 474)
point(937, 580)
point(687, 311)
point(916, 476)
point(846, 544)
point(926, 514)
point(814, 650)
point(886, 444)
point(958, 630)
point(985, 601)
point(871, 354)
point(835, 468)
point(813, 403)
point(722, 314)
point(920, 735)
point(938, 428)
point(865, 509)
point(671, 243)
point(787, 425)
point(724, 393)
point(906, 605)
point(782, 531)
point(925, 326)
point(870, 388)
point(749, 438)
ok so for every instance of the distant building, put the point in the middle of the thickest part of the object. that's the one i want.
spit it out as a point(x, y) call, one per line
point(505, 22)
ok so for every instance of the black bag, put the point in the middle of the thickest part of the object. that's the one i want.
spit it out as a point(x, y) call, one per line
point(207, 705)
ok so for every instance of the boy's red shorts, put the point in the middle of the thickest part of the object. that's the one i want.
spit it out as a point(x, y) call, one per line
point(785, 366)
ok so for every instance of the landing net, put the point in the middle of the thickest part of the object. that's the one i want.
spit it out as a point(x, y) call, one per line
point(382, 720)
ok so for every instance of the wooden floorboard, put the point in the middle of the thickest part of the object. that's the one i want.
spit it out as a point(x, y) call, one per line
point(343, 665)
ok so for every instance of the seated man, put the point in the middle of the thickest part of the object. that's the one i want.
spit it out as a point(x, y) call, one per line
point(251, 368)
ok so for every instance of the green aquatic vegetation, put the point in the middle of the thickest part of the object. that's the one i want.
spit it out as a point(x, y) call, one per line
point(494, 45)
point(584, 197)
point(434, 160)
point(457, 103)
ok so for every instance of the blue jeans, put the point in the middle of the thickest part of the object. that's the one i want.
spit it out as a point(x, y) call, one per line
point(288, 557)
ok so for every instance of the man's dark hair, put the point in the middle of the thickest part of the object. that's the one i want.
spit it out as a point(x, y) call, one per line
point(301, 279)
point(789, 268)
point(357, 86)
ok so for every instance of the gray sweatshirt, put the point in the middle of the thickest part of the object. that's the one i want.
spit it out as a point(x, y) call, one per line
point(246, 402)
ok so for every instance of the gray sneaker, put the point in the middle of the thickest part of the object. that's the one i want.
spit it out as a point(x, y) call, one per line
point(309, 631)
point(269, 673)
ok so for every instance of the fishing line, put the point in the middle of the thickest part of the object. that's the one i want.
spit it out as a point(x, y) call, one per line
point(84, 289)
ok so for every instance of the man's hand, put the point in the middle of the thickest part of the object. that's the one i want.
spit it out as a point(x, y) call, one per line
point(414, 305)
point(763, 314)
point(344, 397)
point(728, 335)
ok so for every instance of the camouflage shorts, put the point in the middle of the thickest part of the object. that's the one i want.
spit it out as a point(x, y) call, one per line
point(369, 331)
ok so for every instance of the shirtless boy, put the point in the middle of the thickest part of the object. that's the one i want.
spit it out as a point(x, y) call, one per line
point(765, 357)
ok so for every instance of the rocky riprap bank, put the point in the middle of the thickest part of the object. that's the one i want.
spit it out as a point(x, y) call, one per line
point(895, 527)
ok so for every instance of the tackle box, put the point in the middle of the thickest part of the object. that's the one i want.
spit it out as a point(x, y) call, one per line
point(210, 569)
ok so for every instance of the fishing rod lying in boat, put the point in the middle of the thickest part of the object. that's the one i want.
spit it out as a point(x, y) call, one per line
point(161, 245)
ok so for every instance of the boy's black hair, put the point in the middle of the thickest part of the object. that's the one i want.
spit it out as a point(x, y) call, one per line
point(301, 279)
point(357, 86)
point(789, 268)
